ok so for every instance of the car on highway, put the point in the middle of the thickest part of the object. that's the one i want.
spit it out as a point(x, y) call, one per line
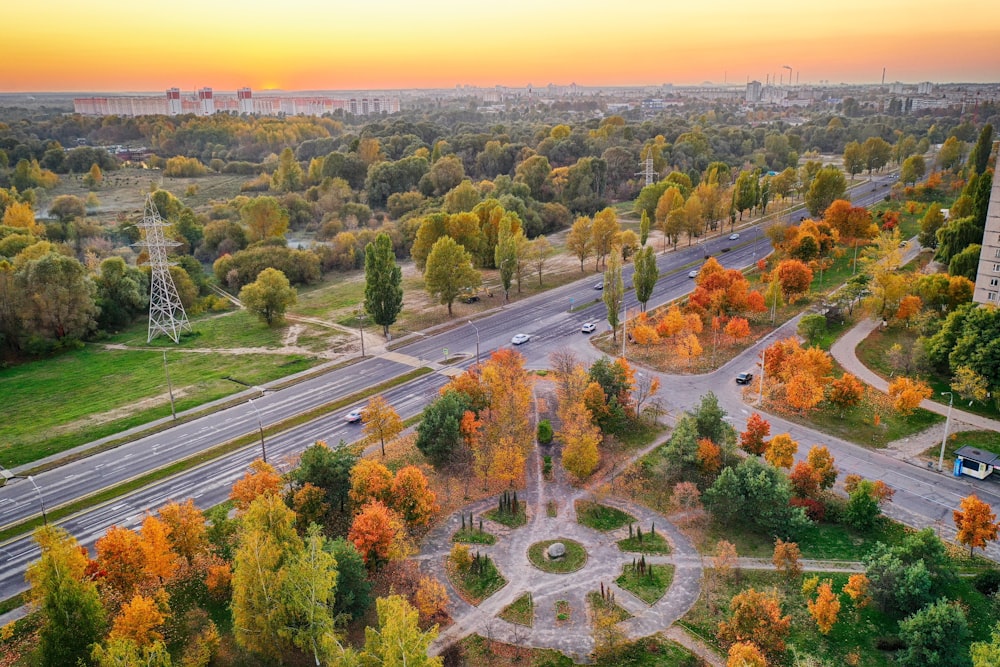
point(744, 378)
point(599, 285)
point(734, 236)
point(520, 338)
point(589, 327)
point(693, 273)
point(353, 417)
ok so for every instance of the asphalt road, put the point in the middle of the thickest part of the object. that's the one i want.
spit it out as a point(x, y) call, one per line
point(553, 321)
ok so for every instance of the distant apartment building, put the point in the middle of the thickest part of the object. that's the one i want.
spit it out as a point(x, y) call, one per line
point(988, 277)
point(754, 89)
point(206, 102)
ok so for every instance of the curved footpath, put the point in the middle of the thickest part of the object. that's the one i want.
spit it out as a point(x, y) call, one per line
point(846, 354)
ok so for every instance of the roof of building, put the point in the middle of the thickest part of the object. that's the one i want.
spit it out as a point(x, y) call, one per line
point(978, 455)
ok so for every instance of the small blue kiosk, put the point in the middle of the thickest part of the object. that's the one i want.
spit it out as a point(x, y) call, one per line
point(975, 462)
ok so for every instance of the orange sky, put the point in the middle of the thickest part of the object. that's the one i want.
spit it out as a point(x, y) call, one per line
point(124, 45)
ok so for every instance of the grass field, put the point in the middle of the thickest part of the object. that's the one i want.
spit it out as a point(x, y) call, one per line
point(821, 541)
point(601, 517)
point(82, 395)
point(575, 558)
point(649, 585)
point(988, 441)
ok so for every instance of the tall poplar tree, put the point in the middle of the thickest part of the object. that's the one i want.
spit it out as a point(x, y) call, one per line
point(614, 289)
point(646, 274)
point(383, 283)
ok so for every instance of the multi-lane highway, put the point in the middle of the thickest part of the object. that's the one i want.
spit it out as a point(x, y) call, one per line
point(552, 319)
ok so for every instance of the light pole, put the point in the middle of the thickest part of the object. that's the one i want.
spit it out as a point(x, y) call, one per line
point(763, 372)
point(947, 422)
point(41, 499)
point(361, 330)
point(477, 340)
point(260, 426)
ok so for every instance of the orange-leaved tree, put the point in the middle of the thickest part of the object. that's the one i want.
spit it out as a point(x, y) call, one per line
point(260, 479)
point(781, 451)
point(370, 480)
point(787, 557)
point(795, 277)
point(845, 392)
point(412, 497)
point(907, 394)
point(709, 457)
point(745, 654)
point(825, 608)
point(187, 528)
point(805, 480)
point(755, 617)
point(857, 589)
point(431, 600)
point(381, 422)
point(122, 564)
point(161, 560)
point(976, 523)
point(140, 620)
point(821, 460)
point(580, 437)
point(377, 534)
point(754, 439)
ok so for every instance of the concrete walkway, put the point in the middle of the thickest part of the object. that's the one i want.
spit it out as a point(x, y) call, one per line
point(845, 352)
point(573, 635)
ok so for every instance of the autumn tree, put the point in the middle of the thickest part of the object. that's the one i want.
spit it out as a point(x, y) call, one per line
point(377, 534)
point(186, 528)
point(71, 611)
point(857, 589)
point(449, 271)
point(398, 639)
point(540, 251)
point(845, 392)
point(754, 439)
point(646, 274)
point(267, 544)
point(412, 497)
point(269, 296)
point(794, 277)
point(781, 451)
point(370, 481)
point(804, 480)
point(787, 558)
point(822, 462)
point(580, 241)
point(140, 620)
point(383, 283)
point(260, 479)
point(328, 469)
point(976, 523)
point(614, 290)
point(825, 608)
point(161, 561)
point(310, 579)
point(431, 599)
point(122, 563)
point(756, 617)
point(381, 422)
point(288, 176)
point(907, 394)
point(745, 654)
point(580, 439)
point(264, 218)
point(828, 185)
point(119, 652)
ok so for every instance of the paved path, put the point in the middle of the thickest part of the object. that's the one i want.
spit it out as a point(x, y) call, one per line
point(845, 352)
point(572, 636)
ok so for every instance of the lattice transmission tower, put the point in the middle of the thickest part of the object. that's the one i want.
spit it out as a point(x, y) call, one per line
point(647, 171)
point(166, 312)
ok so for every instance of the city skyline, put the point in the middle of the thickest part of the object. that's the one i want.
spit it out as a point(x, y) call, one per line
point(110, 46)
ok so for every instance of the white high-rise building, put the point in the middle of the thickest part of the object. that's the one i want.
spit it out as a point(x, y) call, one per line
point(174, 107)
point(988, 277)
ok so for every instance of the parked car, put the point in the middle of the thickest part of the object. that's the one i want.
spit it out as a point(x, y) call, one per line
point(734, 236)
point(520, 338)
point(353, 417)
point(589, 327)
point(744, 378)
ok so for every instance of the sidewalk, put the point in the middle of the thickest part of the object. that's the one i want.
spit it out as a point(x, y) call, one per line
point(845, 352)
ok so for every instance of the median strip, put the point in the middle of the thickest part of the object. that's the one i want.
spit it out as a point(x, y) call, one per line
point(68, 509)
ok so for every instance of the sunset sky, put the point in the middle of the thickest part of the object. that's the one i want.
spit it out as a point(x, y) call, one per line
point(123, 45)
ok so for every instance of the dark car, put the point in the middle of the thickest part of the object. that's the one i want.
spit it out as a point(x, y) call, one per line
point(744, 378)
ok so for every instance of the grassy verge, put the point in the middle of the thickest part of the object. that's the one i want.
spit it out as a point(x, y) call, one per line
point(648, 583)
point(473, 536)
point(575, 558)
point(988, 441)
point(520, 611)
point(648, 543)
point(601, 517)
point(205, 456)
point(507, 518)
point(13, 603)
point(609, 605)
point(479, 581)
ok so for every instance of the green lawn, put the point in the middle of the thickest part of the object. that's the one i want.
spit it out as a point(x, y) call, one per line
point(648, 587)
point(651, 543)
point(988, 441)
point(852, 639)
point(520, 611)
point(473, 536)
point(820, 541)
point(575, 558)
point(479, 581)
point(507, 518)
point(54, 404)
point(601, 517)
point(595, 601)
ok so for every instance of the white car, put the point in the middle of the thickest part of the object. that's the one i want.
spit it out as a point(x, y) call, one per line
point(520, 338)
point(589, 327)
point(693, 273)
point(353, 417)
point(599, 286)
point(734, 236)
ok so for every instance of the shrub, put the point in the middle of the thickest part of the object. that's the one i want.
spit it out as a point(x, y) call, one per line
point(987, 582)
point(815, 510)
point(889, 643)
point(544, 432)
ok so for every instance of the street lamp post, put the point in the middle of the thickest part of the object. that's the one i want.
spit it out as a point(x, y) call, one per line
point(170, 388)
point(260, 426)
point(477, 340)
point(763, 372)
point(361, 330)
point(947, 422)
point(41, 499)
